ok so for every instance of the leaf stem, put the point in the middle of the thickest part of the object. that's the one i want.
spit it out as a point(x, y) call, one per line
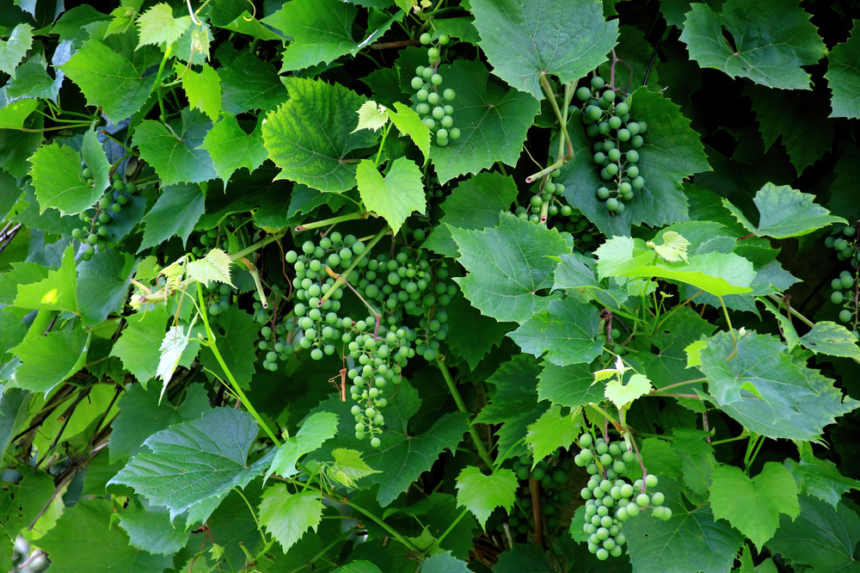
point(664, 388)
point(253, 514)
point(158, 81)
point(729, 321)
point(674, 310)
point(382, 143)
point(327, 222)
point(548, 91)
point(256, 246)
point(458, 399)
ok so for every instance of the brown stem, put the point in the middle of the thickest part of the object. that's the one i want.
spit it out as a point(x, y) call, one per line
point(534, 488)
point(387, 45)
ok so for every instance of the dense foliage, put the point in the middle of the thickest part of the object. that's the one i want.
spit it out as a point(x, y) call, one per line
point(400, 285)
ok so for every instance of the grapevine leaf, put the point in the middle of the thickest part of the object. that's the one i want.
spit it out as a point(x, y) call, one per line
point(471, 334)
point(237, 334)
point(151, 531)
point(832, 339)
point(524, 557)
point(623, 394)
point(195, 461)
point(770, 41)
point(570, 386)
point(214, 267)
point(525, 40)
point(474, 204)
point(507, 265)
point(315, 430)
point(16, 147)
point(103, 283)
point(824, 537)
point(176, 211)
point(56, 292)
point(753, 506)
point(691, 540)
point(176, 153)
point(203, 90)
point(348, 467)
point(158, 26)
point(231, 148)
point(141, 415)
point(84, 542)
point(408, 122)
point(843, 77)
point(566, 332)
point(820, 478)
point(672, 152)
point(21, 274)
point(287, 516)
point(13, 50)
point(59, 182)
point(123, 18)
point(171, 350)
point(13, 115)
point(139, 345)
point(309, 136)
point(394, 196)
point(21, 504)
point(32, 81)
point(784, 212)
point(249, 83)
point(112, 78)
point(789, 333)
point(48, 360)
point(551, 431)
point(444, 563)
point(481, 494)
point(673, 249)
point(371, 116)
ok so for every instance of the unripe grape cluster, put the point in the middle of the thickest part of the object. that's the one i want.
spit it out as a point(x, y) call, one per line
point(94, 232)
point(204, 241)
point(552, 474)
point(433, 105)
point(560, 215)
point(619, 138)
point(610, 499)
point(844, 241)
point(219, 296)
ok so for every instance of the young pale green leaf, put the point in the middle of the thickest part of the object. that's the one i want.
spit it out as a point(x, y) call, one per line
point(309, 136)
point(123, 18)
point(753, 506)
point(231, 148)
point(59, 182)
point(843, 77)
point(321, 31)
point(56, 292)
point(371, 116)
point(395, 196)
point(673, 249)
point(12, 116)
point(566, 333)
point(195, 461)
point(158, 26)
point(507, 265)
point(171, 350)
point(481, 493)
point(476, 203)
point(622, 394)
point(570, 386)
point(784, 213)
point(348, 467)
point(408, 122)
point(553, 430)
point(46, 361)
point(525, 40)
point(288, 516)
point(831, 339)
point(175, 152)
point(315, 430)
point(823, 537)
point(820, 478)
point(176, 211)
point(760, 48)
point(103, 283)
point(13, 50)
point(214, 267)
point(203, 89)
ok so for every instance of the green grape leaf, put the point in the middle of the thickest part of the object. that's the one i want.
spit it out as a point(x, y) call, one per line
point(493, 122)
point(126, 88)
point(513, 402)
point(321, 31)
point(287, 516)
point(176, 211)
point(784, 212)
point(13, 115)
point(753, 506)
point(551, 431)
point(564, 333)
point(203, 90)
point(472, 335)
point(214, 267)
point(476, 203)
point(507, 265)
point(309, 136)
point(823, 537)
point(123, 18)
point(84, 542)
point(481, 494)
point(691, 540)
point(786, 328)
point(141, 415)
point(371, 116)
point(170, 353)
point(673, 249)
point(13, 50)
point(444, 563)
point(21, 503)
point(395, 196)
point(673, 338)
point(622, 394)
point(820, 478)
point(843, 77)
point(348, 467)
point(249, 83)
point(21, 274)
point(316, 429)
point(193, 462)
point(831, 339)
point(57, 177)
point(139, 345)
point(158, 26)
point(572, 386)
point(526, 40)
point(32, 81)
point(769, 41)
point(408, 122)
point(48, 360)
point(237, 334)
point(56, 292)
point(175, 152)
point(151, 531)
point(524, 557)
point(671, 153)
point(103, 283)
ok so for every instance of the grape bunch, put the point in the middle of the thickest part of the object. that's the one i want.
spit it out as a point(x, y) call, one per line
point(844, 292)
point(431, 106)
point(206, 240)
point(619, 138)
point(96, 231)
point(552, 474)
point(219, 297)
point(610, 499)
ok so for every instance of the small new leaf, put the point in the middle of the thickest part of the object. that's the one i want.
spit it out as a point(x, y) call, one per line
point(348, 467)
point(215, 266)
point(623, 394)
point(287, 516)
point(158, 26)
point(481, 494)
point(674, 247)
point(371, 116)
point(172, 347)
